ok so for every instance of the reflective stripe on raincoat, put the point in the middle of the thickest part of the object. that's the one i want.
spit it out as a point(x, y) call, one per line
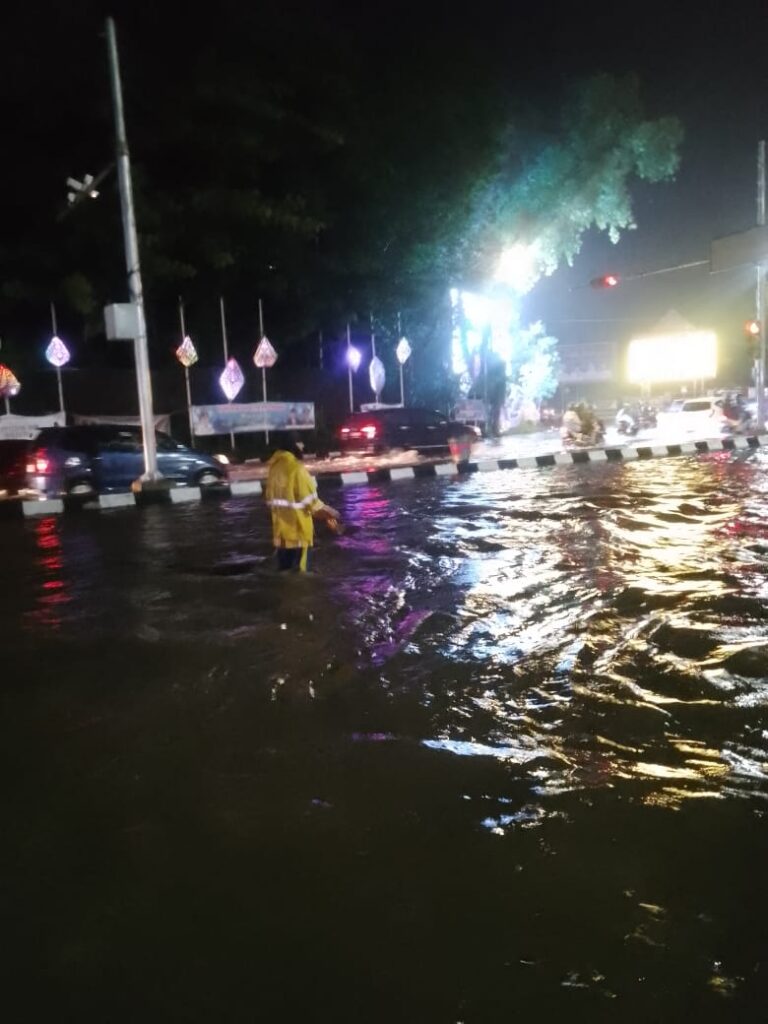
point(292, 498)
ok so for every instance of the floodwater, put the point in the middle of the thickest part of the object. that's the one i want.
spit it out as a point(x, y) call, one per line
point(504, 755)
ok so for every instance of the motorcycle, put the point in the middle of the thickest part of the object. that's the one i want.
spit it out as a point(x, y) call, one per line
point(572, 438)
point(627, 422)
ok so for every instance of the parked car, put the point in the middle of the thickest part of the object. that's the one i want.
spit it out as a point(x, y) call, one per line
point(384, 429)
point(93, 459)
point(703, 416)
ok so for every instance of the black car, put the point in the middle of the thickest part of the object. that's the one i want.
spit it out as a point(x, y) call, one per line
point(384, 429)
point(94, 459)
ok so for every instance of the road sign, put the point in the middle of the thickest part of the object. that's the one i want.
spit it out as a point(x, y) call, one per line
point(739, 250)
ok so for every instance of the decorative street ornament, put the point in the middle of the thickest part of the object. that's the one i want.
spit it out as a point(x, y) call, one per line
point(186, 353)
point(57, 353)
point(377, 375)
point(9, 385)
point(353, 358)
point(403, 351)
point(232, 379)
point(265, 356)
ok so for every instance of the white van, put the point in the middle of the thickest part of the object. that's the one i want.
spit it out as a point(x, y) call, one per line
point(701, 416)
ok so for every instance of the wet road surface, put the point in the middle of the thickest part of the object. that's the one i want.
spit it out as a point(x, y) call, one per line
point(504, 755)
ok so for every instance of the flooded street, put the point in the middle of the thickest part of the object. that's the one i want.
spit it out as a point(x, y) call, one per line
point(504, 754)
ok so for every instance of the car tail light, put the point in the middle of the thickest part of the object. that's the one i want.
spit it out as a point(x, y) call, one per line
point(369, 430)
point(345, 430)
point(39, 464)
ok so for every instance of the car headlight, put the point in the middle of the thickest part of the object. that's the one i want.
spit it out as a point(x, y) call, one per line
point(222, 459)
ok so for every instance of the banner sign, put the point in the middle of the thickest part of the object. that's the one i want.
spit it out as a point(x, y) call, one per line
point(26, 428)
point(249, 417)
point(162, 422)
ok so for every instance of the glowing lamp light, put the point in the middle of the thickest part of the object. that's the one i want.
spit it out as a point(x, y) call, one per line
point(9, 385)
point(57, 353)
point(518, 267)
point(691, 355)
point(186, 353)
point(353, 357)
point(403, 351)
point(231, 381)
point(377, 375)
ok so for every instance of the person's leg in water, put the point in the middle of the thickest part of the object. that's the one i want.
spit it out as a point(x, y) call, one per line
point(293, 559)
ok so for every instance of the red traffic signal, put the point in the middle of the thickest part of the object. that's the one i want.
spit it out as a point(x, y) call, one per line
point(752, 328)
point(606, 281)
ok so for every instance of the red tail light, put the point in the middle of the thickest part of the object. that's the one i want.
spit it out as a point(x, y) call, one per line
point(345, 430)
point(39, 464)
point(369, 430)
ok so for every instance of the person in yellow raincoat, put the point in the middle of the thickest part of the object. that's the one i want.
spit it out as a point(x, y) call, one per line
point(293, 503)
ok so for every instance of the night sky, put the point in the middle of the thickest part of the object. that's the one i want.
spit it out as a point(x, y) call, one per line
point(705, 63)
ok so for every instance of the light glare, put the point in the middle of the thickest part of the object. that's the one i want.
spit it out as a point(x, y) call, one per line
point(673, 357)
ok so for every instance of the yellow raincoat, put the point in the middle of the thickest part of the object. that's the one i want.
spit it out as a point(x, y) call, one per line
point(292, 498)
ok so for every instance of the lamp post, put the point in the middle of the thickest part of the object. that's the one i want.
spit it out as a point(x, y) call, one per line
point(186, 354)
point(231, 379)
point(263, 358)
point(353, 363)
point(376, 371)
point(57, 355)
point(403, 353)
point(143, 379)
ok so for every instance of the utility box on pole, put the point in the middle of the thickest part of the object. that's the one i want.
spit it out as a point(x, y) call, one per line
point(122, 321)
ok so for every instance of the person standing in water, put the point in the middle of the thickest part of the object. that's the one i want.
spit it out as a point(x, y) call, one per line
point(294, 505)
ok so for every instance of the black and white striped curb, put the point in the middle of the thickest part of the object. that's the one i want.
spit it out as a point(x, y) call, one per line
point(15, 508)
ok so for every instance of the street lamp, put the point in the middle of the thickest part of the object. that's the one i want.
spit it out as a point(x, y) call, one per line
point(353, 364)
point(57, 355)
point(403, 352)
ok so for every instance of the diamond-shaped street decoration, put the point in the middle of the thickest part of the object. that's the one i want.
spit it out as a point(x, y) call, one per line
point(9, 385)
point(403, 351)
point(265, 355)
point(186, 353)
point(377, 375)
point(232, 379)
point(57, 352)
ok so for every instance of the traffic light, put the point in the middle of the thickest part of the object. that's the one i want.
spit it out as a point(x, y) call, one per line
point(606, 281)
point(753, 330)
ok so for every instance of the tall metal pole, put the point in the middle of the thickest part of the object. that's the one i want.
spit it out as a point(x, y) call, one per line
point(226, 353)
point(373, 355)
point(143, 379)
point(183, 326)
point(263, 374)
point(55, 328)
point(760, 292)
point(399, 335)
point(349, 371)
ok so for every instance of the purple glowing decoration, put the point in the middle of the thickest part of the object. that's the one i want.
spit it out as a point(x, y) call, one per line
point(265, 356)
point(403, 351)
point(353, 357)
point(57, 353)
point(232, 379)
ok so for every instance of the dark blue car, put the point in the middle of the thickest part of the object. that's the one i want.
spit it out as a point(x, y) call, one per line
point(97, 459)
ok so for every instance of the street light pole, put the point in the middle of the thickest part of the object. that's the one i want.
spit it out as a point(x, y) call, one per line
point(760, 292)
point(143, 379)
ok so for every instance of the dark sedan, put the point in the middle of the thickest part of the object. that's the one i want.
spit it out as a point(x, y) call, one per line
point(384, 429)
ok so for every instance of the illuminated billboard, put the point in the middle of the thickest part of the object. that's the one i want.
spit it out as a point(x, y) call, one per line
point(688, 356)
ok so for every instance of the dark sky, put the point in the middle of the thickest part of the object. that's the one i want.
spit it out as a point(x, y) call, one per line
point(707, 63)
